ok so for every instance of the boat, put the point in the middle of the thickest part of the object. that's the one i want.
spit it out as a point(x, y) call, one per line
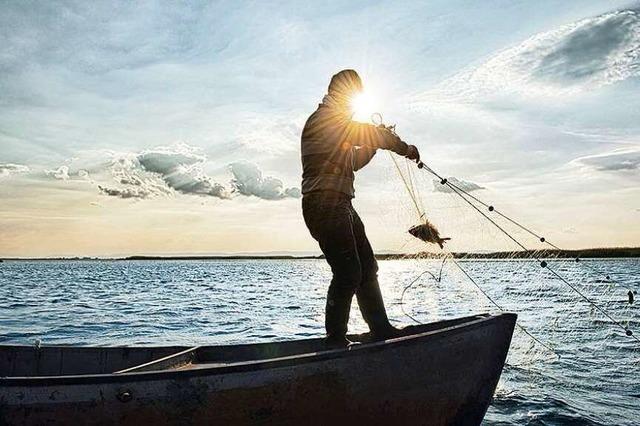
point(441, 373)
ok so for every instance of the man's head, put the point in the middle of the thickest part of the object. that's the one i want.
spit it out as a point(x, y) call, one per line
point(344, 85)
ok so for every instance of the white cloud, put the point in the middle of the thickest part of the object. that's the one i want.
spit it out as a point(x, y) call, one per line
point(614, 161)
point(293, 192)
point(161, 171)
point(125, 192)
point(577, 57)
point(166, 170)
point(129, 177)
point(248, 180)
point(9, 169)
point(181, 168)
point(462, 184)
point(61, 173)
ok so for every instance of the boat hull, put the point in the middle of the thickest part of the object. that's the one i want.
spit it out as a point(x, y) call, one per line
point(439, 377)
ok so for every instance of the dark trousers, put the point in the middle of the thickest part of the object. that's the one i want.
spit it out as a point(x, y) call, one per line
point(338, 229)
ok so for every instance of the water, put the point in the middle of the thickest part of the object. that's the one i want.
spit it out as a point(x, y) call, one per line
point(595, 380)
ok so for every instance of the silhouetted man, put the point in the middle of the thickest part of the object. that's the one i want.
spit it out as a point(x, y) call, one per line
point(333, 148)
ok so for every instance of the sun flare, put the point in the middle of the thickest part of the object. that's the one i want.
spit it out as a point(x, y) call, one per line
point(363, 105)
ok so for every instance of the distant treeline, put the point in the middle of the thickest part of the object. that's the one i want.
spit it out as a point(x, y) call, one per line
point(224, 257)
point(612, 252)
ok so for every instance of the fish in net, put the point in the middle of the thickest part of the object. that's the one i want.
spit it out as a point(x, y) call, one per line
point(428, 233)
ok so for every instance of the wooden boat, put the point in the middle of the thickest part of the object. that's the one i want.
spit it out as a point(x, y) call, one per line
point(441, 373)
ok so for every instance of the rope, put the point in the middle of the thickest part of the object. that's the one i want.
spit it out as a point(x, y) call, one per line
point(491, 208)
point(605, 313)
point(458, 191)
point(438, 279)
point(408, 188)
point(408, 286)
point(524, 330)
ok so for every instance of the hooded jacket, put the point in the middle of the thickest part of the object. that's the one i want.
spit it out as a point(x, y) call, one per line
point(334, 146)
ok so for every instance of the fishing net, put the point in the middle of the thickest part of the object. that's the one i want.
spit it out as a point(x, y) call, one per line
point(494, 263)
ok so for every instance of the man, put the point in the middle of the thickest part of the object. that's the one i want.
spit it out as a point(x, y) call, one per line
point(333, 148)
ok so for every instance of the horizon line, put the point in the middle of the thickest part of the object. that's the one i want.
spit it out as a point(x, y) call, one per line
point(284, 255)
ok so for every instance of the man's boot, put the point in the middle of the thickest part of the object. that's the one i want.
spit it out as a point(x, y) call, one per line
point(374, 313)
point(336, 319)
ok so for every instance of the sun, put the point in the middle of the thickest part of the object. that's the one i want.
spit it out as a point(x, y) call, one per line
point(363, 105)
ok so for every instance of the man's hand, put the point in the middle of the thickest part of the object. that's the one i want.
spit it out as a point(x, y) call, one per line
point(412, 153)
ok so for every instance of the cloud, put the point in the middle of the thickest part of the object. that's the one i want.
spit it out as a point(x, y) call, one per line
point(462, 184)
point(293, 192)
point(248, 180)
point(161, 171)
point(9, 169)
point(125, 192)
point(130, 178)
point(614, 161)
point(165, 160)
point(61, 173)
point(166, 170)
point(577, 57)
point(592, 52)
point(181, 168)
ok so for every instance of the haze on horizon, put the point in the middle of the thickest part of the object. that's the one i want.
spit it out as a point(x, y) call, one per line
point(158, 128)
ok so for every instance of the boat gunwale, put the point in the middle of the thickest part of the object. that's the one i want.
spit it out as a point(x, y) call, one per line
point(256, 365)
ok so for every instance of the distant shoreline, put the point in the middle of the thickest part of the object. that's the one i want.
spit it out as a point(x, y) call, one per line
point(612, 252)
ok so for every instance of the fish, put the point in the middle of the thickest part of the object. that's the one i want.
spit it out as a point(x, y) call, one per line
point(428, 233)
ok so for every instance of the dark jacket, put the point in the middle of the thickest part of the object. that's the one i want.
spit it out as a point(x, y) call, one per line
point(334, 146)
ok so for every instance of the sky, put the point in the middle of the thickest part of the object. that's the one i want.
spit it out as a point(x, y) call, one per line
point(174, 128)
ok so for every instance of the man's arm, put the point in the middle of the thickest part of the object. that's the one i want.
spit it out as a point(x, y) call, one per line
point(361, 156)
point(374, 137)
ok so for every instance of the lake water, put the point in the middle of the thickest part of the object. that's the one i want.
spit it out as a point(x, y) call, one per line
point(593, 377)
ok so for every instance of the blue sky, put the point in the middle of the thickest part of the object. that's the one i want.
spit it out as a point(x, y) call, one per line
point(155, 127)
